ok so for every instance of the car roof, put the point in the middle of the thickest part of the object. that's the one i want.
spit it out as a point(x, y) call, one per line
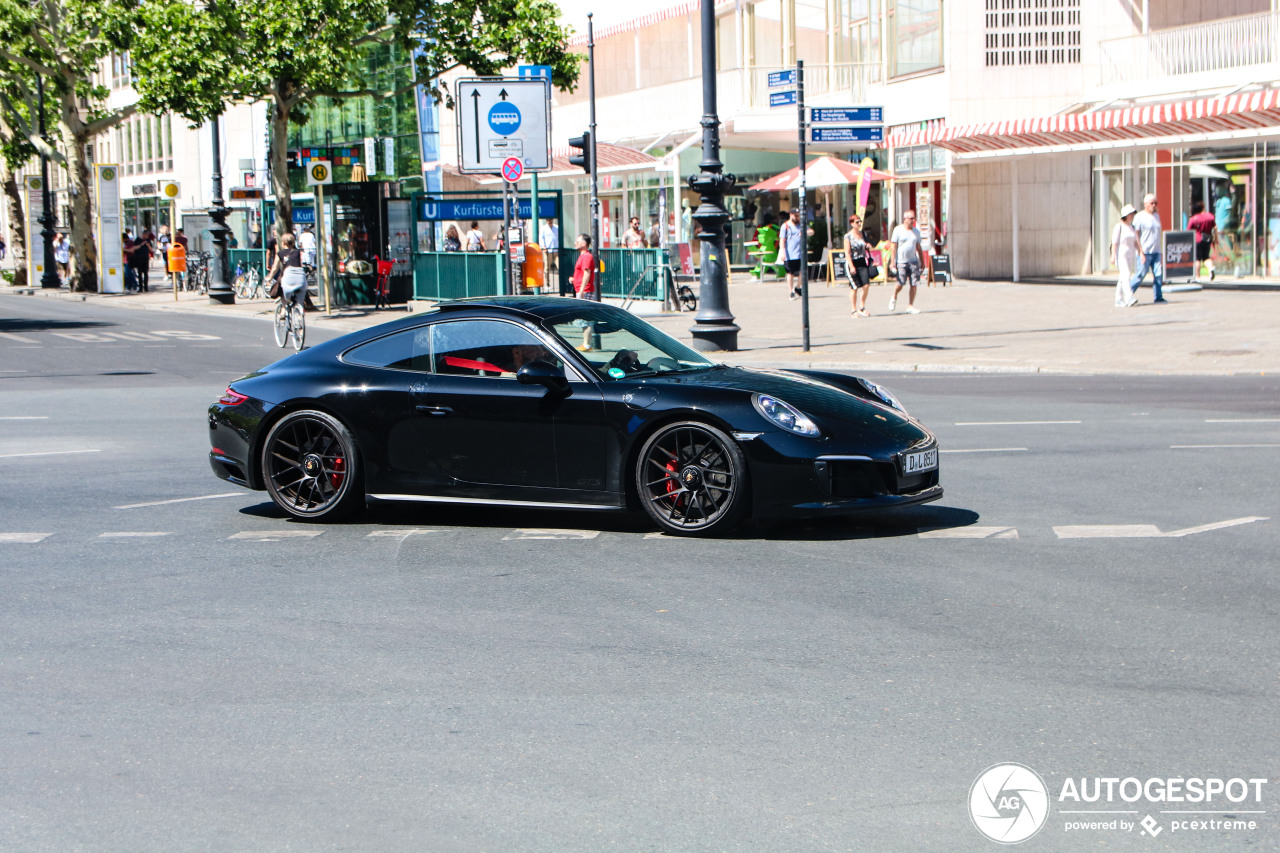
point(539, 306)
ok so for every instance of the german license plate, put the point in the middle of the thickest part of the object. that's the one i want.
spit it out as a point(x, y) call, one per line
point(925, 460)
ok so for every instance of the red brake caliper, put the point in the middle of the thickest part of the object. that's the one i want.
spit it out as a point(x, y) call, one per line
point(339, 467)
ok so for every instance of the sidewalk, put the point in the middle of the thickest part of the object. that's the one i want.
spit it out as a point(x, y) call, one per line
point(996, 327)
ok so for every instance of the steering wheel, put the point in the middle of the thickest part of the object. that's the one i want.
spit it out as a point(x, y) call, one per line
point(626, 361)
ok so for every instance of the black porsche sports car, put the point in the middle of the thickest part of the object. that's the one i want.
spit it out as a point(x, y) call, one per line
point(550, 402)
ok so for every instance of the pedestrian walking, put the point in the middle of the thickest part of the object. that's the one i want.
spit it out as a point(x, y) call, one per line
point(306, 245)
point(4, 247)
point(655, 233)
point(1124, 256)
point(130, 276)
point(791, 240)
point(549, 240)
point(164, 240)
point(1147, 224)
point(1206, 227)
point(452, 242)
point(140, 260)
point(857, 267)
point(475, 239)
point(634, 238)
point(906, 260)
point(62, 256)
point(584, 271)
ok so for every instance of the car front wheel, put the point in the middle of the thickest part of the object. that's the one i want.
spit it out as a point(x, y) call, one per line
point(692, 479)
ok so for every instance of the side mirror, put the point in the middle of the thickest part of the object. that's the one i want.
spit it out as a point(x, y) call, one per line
point(544, 373)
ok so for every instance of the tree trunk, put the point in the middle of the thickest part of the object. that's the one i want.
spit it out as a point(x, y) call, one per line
point(279, 118)
point(17, 224)
point(84, 273)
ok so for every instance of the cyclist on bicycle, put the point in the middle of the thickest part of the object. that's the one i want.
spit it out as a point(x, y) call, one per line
point(288, 267)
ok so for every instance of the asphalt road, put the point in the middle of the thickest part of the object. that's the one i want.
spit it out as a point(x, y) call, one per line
point(182, 668)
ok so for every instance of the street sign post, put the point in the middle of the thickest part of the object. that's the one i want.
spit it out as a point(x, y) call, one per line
point(847, 134)
point(846, 115)
point(500, 118)
point(782, 78)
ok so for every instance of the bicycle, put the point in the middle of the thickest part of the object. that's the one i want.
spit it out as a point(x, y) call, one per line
point(291, 321)
point(247, 282)
point(197, 277)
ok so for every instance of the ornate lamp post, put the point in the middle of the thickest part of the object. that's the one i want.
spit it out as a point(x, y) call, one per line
point(47, 218)
point(220, 289)
point(713, 327)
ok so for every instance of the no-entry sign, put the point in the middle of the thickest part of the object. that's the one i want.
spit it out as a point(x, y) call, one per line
point(512, 169)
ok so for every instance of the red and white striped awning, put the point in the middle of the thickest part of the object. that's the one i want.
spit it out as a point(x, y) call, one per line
point(1247, 112)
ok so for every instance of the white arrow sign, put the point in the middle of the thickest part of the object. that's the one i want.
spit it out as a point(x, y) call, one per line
point(499, 118)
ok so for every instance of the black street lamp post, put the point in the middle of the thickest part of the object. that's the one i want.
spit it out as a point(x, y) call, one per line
point(220, 289)
point(47, 218)
point(713, 327)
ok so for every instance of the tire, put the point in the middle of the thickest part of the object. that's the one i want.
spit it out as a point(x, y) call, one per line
point(282, 324)
point(242, 286)
point(692, 479)
point(311, 467)
point(298, 322)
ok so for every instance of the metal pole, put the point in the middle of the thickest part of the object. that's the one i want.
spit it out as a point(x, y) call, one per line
point(50, 278)
point(713, 328)
point(596, 247)
point(804, 213)
point(220, 290)
point(535, 228)
point(505, 249)
point(322, 250)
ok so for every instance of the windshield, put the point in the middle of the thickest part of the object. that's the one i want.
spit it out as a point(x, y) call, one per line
point(619, 345)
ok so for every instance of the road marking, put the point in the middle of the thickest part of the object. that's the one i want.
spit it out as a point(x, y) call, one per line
point(24, 417)
point(1012, 423)
point(24, 538)
point(9, 336)
point(46, 453)
point(1242, 420)
point(131, 534)
point(549, 533)
point(987, 450)
point(967, 533)
point(274, 535)
point(1217, 446)
point(399, 534)
point(179, 500)
point(1144, 531)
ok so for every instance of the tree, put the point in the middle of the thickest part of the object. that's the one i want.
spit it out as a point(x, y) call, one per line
point(191, 60)
point(15, 152)
point(63, 41)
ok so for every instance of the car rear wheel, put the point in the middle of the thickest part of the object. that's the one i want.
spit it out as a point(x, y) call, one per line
point(692, 479)
point(311, 468)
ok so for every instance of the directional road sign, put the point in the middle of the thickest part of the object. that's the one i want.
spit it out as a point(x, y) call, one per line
point(783, 98)
point(500, 118)
point(847, 134)
point(512, 169)
point(782, 78)
point(846, 115)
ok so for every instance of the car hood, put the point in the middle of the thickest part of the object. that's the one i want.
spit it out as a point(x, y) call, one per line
point(834, 408)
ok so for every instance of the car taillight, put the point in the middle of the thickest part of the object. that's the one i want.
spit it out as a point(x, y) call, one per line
point(231, 398)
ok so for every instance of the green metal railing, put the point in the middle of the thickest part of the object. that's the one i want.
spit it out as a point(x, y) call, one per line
point(250, 257)
point(633, 273)
point(455, 275)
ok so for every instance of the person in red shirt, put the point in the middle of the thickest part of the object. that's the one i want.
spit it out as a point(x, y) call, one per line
point(1206, 228)
point(584, 271)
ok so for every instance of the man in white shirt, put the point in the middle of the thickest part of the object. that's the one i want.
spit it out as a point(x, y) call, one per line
point(1147, 224)
point(908, 256)
point(307, 243)
point(549, 240)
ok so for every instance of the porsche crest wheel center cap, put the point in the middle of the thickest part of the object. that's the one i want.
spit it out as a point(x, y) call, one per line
point(312, 466)
point(691, 477)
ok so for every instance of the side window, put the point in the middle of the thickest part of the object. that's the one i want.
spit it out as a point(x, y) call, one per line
point(407, 350)
point(485, 348)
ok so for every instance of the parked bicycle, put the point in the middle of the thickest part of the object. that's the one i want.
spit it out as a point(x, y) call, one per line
point(248, 282)
point(197, 277)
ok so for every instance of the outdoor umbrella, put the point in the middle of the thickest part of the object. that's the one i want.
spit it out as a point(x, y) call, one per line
point(822, 173)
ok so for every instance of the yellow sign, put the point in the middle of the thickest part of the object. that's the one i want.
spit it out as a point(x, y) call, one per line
point(170, 189)
point(319, 172)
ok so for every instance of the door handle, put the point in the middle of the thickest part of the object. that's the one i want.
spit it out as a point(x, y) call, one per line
point(434, 411)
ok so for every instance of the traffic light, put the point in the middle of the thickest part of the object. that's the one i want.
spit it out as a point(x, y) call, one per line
point(583, 145)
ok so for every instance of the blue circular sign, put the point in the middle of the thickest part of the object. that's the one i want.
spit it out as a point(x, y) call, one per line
point(504, 118)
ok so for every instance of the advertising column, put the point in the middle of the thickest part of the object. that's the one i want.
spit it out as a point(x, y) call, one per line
point(35, 249)
point(110, 251)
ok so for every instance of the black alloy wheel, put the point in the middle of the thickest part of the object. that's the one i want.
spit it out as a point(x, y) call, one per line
point(311, 467)
point(692, 479)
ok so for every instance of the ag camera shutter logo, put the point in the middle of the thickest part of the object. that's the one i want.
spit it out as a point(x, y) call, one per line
point(1008, 803)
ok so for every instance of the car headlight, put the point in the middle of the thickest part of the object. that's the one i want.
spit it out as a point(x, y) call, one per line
point(785, 415)
point(882, 395)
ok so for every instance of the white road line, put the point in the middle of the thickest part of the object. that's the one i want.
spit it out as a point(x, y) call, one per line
point(1217, 446)
point(1242, 420)
point(24, 538)
point(132, 534)
point(274, 535)
point(1012, 423)
point(46, 453)
point(24, 417)
point(1144, 531)
point(967, 533)
point(9, 336)
point(399, 534)
point(549, 533)
point(988, 450)
point(179, 500)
